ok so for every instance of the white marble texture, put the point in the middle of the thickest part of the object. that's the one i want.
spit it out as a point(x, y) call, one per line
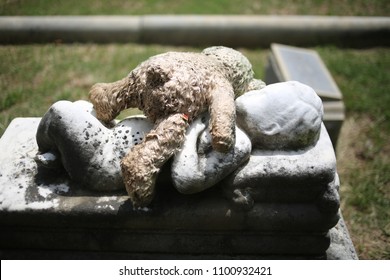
point(198, 167)
point(284, 116)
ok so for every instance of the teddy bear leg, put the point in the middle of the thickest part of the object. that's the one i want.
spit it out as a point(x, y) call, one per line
point(222, 118)
point(141, 165)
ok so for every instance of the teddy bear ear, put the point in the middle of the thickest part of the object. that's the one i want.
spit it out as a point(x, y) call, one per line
point(156, 76)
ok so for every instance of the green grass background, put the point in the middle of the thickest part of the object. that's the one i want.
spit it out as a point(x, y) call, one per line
point(32, 77)
point(140, 7)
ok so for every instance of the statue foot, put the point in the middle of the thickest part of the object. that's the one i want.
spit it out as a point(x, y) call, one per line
point(48, 160)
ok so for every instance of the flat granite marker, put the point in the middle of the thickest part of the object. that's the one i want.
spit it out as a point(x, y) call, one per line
point(46, 213)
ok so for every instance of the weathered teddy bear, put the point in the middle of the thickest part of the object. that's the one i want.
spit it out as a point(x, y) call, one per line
point(172, 89)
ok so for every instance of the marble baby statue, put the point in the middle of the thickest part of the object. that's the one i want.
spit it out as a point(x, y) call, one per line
point(173, 89)
point(69, 135)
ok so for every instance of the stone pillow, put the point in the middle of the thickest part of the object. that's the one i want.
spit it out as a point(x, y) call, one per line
point(281, 116)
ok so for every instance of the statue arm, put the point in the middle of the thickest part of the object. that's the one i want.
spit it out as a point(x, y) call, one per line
point(187, 169)
point(198, 167)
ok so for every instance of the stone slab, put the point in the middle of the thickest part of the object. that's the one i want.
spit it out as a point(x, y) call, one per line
point(41, 210)
point(157, 242)
point(20, 247)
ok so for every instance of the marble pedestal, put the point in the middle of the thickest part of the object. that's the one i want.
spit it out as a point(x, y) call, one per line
point(43, 214)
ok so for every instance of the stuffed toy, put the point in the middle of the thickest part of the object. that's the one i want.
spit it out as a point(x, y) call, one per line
point(172, 89)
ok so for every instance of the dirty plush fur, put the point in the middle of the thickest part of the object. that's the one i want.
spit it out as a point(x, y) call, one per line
point(165, 87)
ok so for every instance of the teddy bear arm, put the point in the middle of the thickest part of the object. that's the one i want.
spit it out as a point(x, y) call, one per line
point(109, 99)
point(222, 117)
point(141, 165)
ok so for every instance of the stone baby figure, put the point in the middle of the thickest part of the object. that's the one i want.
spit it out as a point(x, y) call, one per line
point(172, 89)
point(69, 136)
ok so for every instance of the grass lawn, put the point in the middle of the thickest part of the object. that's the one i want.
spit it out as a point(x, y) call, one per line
point(139, 7)
point(32, 77)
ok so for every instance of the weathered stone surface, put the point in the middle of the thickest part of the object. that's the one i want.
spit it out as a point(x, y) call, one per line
point(281, 116)
point(282, 176)
point(341, 247)
point(55, 243)
point(172, 242)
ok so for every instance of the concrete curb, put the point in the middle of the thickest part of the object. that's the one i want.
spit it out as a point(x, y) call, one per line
point(196, 30)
